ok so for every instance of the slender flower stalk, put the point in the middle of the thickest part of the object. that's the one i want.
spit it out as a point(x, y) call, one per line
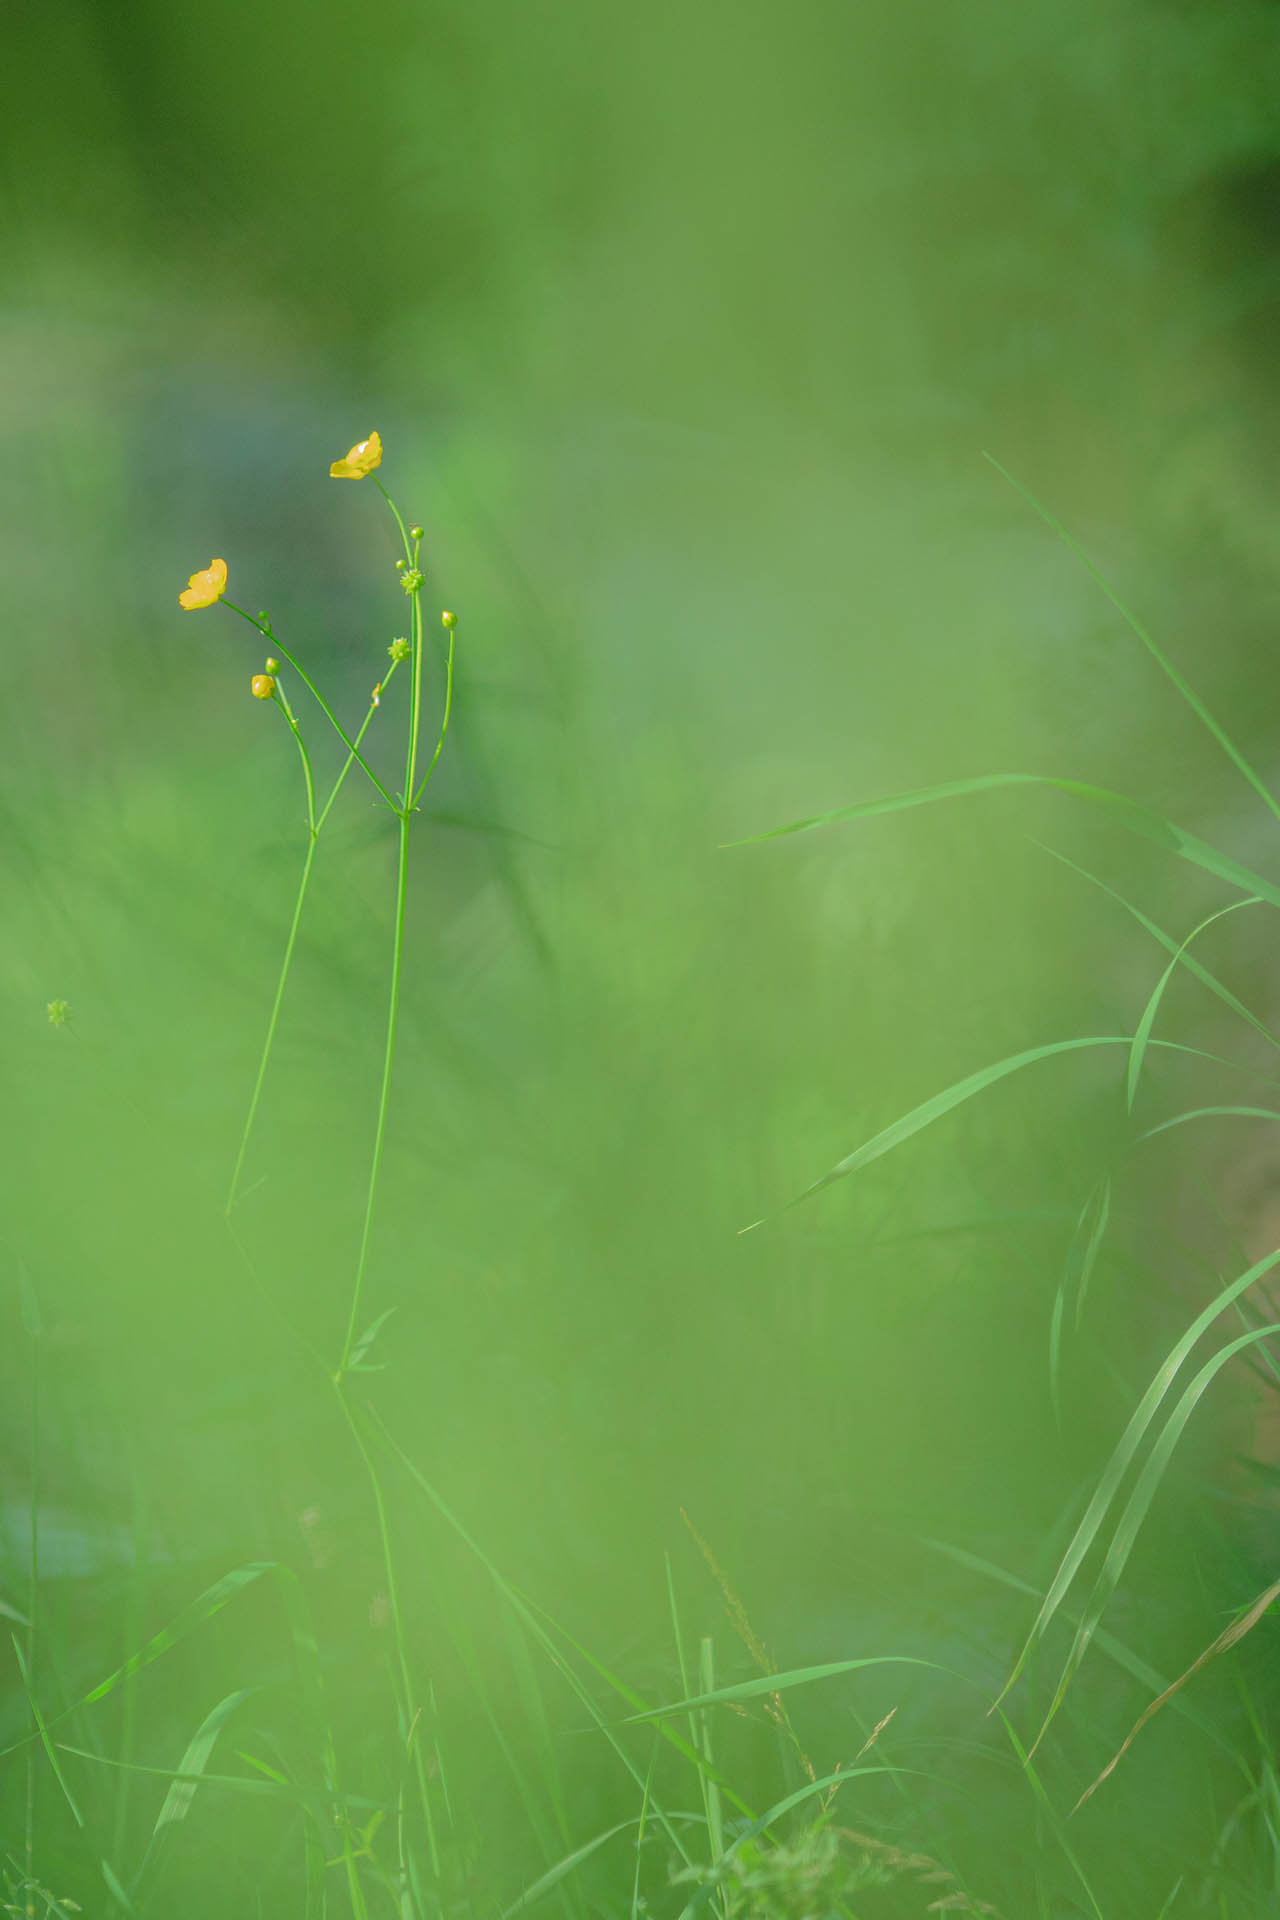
point(315, 822)
point(405, 811)
point(450, 623)
point(264, 628)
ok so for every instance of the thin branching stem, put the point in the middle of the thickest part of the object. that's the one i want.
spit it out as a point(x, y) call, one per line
point(444, 724)
point(405, 811)
point(314, 823)
point(264, 628)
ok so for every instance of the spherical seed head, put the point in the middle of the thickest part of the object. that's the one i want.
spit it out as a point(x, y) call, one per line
point(59, 1013)
point(412, 580)
point(448, 619)
point(399, 649)
point(262, 686)
point(272, 666)
point(415, 533)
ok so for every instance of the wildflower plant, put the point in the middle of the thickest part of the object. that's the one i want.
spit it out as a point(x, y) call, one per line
point(405, 656)
point(207, 588)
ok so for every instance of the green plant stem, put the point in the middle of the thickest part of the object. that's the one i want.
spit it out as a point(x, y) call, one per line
point(411, 1710)
point(415, 700)
point(405, 812)
point(396, 516)
point(282, 701)
point(272, 1022)
point(388, 1061)
point(313, 689)
point(352, 756)
point(33, 1603)
point(314, 823)
point(444, 724)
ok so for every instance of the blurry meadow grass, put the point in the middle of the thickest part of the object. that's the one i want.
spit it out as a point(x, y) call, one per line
point(684, 332)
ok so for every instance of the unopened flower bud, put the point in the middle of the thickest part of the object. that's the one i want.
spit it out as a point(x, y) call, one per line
point(272, 666)
point(448, 619)
point(415, 533)
point(401, 564)
point(262, 686)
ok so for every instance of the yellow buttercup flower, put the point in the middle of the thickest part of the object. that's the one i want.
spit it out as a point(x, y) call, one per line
point(204, 588)
point(362, 459)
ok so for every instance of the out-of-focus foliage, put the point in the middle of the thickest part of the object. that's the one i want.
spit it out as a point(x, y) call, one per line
point(684, 329)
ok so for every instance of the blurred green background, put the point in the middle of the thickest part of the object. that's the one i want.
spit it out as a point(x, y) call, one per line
point(685, 329)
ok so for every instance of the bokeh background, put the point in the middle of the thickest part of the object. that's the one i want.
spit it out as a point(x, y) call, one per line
point(685, 328)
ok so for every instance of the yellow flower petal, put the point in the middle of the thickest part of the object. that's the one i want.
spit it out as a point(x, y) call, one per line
point(362, 459)
point(204, 588)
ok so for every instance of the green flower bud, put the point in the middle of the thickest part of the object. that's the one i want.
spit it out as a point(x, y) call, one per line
point(415, 533)
point(272, 666)
point(448, 619)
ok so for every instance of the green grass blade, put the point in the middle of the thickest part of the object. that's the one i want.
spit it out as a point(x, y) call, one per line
point(1135, 626)
point(361, 1347)
point(528, 1615)
point(954, 1096)
point(1145, 1024)
point(643, 1822)
point(317, 1799)
point(1122, 1457)
point(704, 1784)
point(780, 1682)
point(687, 1749)
point(1243, 1624)
point(1097, 1234)
point(1170, 945)
point(42, 1731)
point(190, 1771)
point(1206, 1113)
point(1077, 1270)
point(1052, 1816)
point(1130, 814)
point(939, 1105)
point(211, 1601)
point(114, 1888)
point(1116, 1650)
point(1138, 1506)
point(550, 1880)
